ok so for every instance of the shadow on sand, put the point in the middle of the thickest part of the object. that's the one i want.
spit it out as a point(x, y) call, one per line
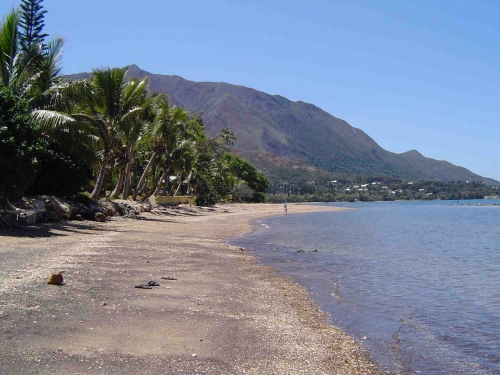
point(43, 230)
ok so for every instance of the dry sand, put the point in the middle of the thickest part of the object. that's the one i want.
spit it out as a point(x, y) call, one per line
point(225, 314)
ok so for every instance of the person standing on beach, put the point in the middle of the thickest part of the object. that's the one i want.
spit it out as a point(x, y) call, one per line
point(286, 210)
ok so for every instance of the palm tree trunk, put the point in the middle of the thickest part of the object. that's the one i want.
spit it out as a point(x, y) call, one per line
point(156, 188)
point(128, 179)
point(159, 184)
point(119, 184)
point(100, 178)
point(128, 167)
point(142, 181)
point(178, 186)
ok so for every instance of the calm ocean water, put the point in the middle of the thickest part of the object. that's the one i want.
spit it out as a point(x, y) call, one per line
point(418, 283)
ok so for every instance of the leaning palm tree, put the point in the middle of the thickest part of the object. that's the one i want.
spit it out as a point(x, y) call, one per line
point(180, 149)
point(100, 106)
point(184, 162)
point(164, 128)
point(177, 159)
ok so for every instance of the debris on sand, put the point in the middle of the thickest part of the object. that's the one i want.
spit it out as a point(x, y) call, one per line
point(56, 279)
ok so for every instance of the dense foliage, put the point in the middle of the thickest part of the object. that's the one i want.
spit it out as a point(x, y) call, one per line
point(255, 183)
point(18, 145)
point(61, 173)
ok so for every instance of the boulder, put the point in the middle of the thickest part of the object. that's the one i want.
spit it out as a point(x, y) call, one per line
point(32, 209)
point(27, 217)
point(31, 203)
point(62, 208)
point(52, 216)
point(84, 211)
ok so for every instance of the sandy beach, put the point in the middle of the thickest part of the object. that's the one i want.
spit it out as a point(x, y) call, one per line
point(224, 313)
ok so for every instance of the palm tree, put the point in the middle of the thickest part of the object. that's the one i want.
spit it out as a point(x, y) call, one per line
point(228, 137)
point(129, 133)
point(164, 128)
point(121, 158)
point(102, 106)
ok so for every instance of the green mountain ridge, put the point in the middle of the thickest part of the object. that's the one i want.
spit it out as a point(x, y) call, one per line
point(274, 132)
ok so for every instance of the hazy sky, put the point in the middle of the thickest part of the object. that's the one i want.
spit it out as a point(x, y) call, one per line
point(421, 75)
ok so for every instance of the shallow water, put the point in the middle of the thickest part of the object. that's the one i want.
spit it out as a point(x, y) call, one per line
point(418, 283)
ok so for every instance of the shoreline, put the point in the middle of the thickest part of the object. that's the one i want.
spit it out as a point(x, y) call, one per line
point(225, 313)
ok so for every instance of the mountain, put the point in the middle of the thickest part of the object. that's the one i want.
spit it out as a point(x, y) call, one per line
point(273, 132)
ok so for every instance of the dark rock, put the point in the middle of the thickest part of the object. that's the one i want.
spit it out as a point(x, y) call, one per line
point(52, 216)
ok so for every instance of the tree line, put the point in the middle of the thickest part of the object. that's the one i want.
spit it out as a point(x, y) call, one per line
point(107, 135)
point(357, 188)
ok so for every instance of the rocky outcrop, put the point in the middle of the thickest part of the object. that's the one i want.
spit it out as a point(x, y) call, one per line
point(47, 208)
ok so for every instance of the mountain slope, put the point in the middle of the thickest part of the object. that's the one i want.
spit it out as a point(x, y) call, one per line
point(272, 130)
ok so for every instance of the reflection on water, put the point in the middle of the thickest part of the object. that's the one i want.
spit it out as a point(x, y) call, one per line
point(418, 283)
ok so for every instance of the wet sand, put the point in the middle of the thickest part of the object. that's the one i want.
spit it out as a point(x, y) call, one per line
point(225, 314)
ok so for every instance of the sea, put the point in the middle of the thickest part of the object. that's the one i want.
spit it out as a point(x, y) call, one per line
point(416, 283)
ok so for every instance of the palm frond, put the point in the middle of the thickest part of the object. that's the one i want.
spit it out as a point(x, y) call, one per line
point(9, 34)
point(51, 63)
point(108, 85)
point(95, 126)
point(134, 93)
point(52, 120)
point(66, 96)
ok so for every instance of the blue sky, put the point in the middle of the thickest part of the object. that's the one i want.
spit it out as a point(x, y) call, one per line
point(421, 75)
